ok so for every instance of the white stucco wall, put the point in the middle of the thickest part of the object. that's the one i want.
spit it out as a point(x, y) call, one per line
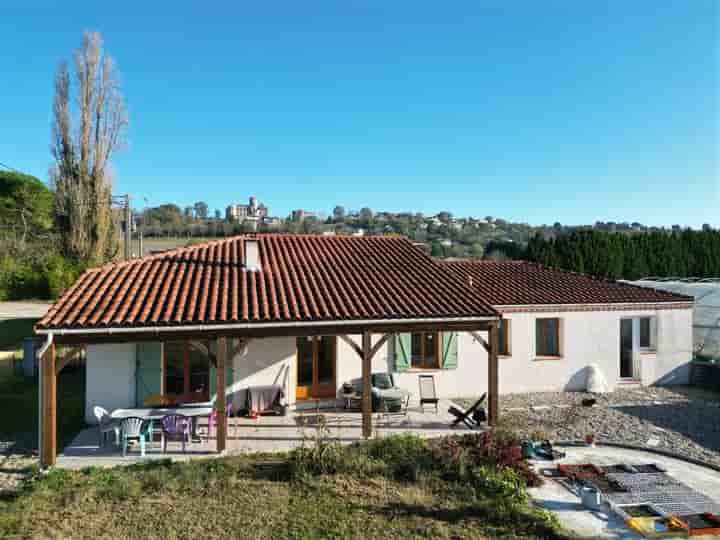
point(588, 337)
point(110, 378)
point(469, 379)
point(593, 337)
point(265, 361)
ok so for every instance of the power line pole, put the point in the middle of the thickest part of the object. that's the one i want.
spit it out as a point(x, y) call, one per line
point(128, 227)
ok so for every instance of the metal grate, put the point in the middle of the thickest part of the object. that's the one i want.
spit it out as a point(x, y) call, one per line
point(662, 491)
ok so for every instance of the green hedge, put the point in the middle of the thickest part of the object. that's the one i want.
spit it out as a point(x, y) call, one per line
point(45, 279)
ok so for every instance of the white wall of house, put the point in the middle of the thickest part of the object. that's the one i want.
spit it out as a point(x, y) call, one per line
point(263, 362)
point(587, 337)
point(675, 348)
point(109, 378)
point(593, 337)
point(468, 379)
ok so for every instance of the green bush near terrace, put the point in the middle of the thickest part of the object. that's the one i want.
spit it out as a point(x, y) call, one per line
point(366, 493)
point(19, 406)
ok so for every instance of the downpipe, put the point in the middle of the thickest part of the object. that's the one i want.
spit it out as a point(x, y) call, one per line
point(39, 356)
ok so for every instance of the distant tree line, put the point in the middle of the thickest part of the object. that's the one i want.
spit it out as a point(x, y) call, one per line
point(686, 253)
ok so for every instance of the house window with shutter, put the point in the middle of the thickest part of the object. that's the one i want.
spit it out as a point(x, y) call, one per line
point(425, 350)
point(548, 337)
point(648, 334)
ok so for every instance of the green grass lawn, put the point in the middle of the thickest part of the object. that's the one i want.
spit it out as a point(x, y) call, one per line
point(12, 332)
point(19, 406)
point(389, 488)
point(164, 243)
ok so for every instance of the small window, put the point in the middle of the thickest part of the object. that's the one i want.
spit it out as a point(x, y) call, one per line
point(647, 333)
point(425, 350)
point(504, 338)
point(547, 337)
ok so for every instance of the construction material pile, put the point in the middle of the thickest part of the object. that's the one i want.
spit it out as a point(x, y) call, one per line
point(649, 500)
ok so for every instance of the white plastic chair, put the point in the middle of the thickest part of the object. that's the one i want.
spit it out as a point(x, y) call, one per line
point(106, 425)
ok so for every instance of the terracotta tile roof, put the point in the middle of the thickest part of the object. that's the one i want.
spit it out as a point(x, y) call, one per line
point(524, 283)
point(301, 278)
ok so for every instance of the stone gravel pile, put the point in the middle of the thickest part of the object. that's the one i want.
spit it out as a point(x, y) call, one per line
point(683, 420)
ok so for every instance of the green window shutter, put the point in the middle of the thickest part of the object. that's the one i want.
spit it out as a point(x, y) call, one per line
point(213, 380)
point(148, 371)
point(449, 350)
point(402, 352)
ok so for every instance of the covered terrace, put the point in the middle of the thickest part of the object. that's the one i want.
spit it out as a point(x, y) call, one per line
point(254, 288)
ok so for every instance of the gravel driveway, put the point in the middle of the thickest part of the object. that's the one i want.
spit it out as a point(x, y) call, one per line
point(684, 420)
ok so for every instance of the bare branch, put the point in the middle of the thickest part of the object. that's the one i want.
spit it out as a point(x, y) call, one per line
point(80, 172)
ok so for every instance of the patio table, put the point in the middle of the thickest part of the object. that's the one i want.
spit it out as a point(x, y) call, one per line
point(156, 413)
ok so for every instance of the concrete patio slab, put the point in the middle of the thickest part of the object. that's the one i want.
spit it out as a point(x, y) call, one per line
point(606, 525)
point(266, 434)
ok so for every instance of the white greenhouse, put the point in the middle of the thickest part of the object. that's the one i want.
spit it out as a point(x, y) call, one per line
point(706, 315)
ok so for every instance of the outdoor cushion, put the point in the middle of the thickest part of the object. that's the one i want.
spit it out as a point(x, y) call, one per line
point(383, 381)
point(263, 398)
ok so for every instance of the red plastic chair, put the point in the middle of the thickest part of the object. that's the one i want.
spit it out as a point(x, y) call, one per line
point(213, 419)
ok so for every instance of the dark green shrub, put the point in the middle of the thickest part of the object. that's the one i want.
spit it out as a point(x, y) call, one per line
point(59, 274)
point(405, 455)
point(46, 278)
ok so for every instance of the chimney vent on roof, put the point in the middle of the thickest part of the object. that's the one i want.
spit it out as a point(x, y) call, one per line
point(252, 255)
point(470, 281)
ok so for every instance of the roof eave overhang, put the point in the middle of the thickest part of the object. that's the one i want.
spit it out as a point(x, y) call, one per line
point(265, 329)
point(607, 306)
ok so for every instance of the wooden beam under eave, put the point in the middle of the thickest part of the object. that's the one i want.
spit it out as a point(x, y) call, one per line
point(48, 451)
point(220, 428)
point(493, 377)
point(299, 330)
point(354, 346)
point(66, 359)
point(380, 343)
point(480, 340)
point(367, 385)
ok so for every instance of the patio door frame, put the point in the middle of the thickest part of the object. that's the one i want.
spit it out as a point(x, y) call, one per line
point(316, 390)
point(634, 349)
point(187, 372)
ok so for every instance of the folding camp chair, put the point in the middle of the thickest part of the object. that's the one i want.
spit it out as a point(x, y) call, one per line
point(427, 392)
point(469, 416)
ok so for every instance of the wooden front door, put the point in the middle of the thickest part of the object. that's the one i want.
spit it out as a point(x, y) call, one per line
point(316, 367)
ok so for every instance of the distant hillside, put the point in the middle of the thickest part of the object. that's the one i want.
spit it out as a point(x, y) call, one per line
point(443, 234)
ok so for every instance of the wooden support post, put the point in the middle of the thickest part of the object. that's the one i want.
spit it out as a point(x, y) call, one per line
point(367, 385)
point(493, 378)
point(48, 451)
point(220, 401)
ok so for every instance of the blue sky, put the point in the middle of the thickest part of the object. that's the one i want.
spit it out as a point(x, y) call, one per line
point(573, 111)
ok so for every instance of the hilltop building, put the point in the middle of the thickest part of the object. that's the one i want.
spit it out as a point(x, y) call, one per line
point(251, 211)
